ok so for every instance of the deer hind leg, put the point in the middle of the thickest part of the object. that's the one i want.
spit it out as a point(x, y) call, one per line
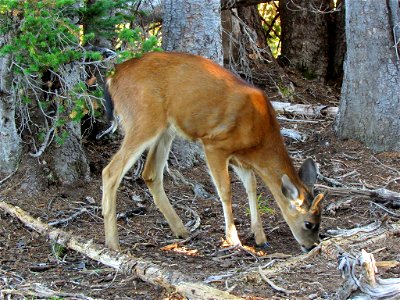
point(132, 147)
point(218, 164)
point(249, 181)
point(153, 176)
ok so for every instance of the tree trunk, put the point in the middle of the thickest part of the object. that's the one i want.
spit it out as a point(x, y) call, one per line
point(245, 46)
point(337, 43)
point(305, 39)
point(10, 145)
point(70, 163)
point(193, 26)
point(370, 101)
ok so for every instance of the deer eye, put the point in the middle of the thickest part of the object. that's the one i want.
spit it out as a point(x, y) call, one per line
point(308, 225)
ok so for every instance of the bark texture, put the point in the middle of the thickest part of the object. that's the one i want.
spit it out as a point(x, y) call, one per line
point(10, 145)
point(305, 38)
point(193, 26)
point(70, 163)
point(245, 47)
point(337, 43)
point(370, 101)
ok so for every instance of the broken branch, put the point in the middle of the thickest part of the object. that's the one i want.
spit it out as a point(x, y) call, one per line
point(304, 109)
point(383, 195)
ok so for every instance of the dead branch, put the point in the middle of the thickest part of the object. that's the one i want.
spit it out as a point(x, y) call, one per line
point(304, 109)
point(381, 195)
point(39, 291)
point(229, 4)
point(349, 232)
point(148, 271)
point(273, 285)
point(293, 134)
point(366, 281)
point(70, 218)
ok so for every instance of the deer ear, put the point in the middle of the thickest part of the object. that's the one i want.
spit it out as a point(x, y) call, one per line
point(315, 208)
point(289, 189)
point(308, 173)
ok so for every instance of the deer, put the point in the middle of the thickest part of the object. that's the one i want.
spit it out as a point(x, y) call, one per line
point(164, 94)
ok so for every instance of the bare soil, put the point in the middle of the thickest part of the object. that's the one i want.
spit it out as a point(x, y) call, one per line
point(30, 263)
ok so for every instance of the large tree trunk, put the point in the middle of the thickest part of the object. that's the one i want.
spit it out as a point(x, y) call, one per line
point(193, 26)
point(10, 145)
point(305, 39)
point(370, 102)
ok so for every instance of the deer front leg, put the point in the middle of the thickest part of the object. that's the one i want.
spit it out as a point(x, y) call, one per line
point(217, 162)
point(249, 181)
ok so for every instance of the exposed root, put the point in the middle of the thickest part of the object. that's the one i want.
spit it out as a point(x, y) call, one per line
point(365, 281)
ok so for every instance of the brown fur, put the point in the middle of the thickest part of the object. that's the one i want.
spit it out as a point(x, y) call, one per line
point(161, 93)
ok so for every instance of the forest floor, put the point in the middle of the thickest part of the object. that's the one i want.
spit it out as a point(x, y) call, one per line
point(30, 264)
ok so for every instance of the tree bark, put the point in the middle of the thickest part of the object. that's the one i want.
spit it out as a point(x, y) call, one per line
point(305, 39)
point(10, 145)
point(337, 43)
point(70, 163)
point(193, 26)
point(370, 102)
point(245, 46)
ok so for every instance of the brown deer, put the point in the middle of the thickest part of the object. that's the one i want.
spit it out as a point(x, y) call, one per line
point(163, 94)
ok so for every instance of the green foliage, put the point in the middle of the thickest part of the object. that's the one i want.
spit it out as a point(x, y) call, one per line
point(306, 72)
point(263, 206)
point(58, 250)
point(45, 36)
point(272, 25)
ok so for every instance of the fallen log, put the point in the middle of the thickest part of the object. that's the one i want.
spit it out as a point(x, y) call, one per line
point(127, 264)
point(304, 109)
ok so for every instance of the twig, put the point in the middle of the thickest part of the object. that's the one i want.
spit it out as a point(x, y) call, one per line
point(195, 215)
point(393, 214)
point(297, 120)
point(330, 180)
point(304, 109)
point(10, 175)
point(382, 193)
point(349, 232)
point(386, 166)
point(273, 285)
point(70, 218)
point(39, 291)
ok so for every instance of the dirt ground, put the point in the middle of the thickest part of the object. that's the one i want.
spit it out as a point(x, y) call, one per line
point(30, 264)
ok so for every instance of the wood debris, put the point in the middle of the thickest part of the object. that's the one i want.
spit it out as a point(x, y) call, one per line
point(146, 270)
point(361, 281)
